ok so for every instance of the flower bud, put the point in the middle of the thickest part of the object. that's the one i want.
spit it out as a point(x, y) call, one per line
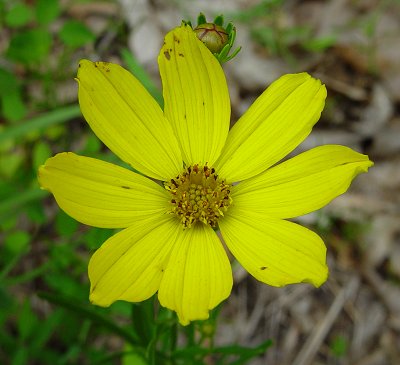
point(213, 36)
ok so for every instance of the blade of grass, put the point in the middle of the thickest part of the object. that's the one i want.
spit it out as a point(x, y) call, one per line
point(11, 205)
point(25, 277)
point(89, 313)
point(56, 116)
point(141, 74)
point(224, 350)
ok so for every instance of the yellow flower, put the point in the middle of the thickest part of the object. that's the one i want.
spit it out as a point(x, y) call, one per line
point(212, 179)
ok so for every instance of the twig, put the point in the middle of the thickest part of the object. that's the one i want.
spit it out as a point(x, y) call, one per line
point(316, 338)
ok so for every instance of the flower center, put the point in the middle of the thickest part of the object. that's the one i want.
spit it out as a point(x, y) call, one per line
point(199, 195)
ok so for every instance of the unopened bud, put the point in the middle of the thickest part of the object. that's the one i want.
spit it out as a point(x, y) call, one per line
point(213, 36)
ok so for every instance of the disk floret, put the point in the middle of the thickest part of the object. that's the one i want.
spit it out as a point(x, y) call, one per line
point(199, 195)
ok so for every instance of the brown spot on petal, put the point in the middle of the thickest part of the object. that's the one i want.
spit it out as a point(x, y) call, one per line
point(167, 55)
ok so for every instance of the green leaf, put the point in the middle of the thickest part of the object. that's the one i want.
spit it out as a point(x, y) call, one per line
point(21, 356)
point(339, 346)
point(8, 82)
point(95, 237)
point(75, 34)
point(8, 223)
point(27, 321)
point(93, 145)
point(10, 162)
point(319, 44)
point(10, 95)
point(132, 357)
point(17, 242)
point(35, 212)
point(19, 15)
point(12, 106)
point(117, 356)
point(29, 47)
point(6, 303)
point(41, 152)
point(65, 225)
point(47, 11)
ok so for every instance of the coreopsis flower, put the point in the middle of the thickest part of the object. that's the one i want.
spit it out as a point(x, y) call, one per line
point(197, 177)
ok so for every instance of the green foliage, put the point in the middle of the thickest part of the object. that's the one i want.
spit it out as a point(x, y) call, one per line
point(75, 34)
point(30, 46)
point(275, 36)
point(40, 153)
point(65, 225)
point(319, 44)
point(17, 242)
point(12, 105)
point(338, 346)
point(47, 11)
point(140, 73)
point(18, 15)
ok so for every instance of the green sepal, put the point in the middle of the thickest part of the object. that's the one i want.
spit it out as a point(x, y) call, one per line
point(201, 19)
point(219, 20)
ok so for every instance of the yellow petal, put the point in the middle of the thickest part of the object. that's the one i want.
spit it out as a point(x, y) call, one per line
point(274, 251)
point(302, 184)
point(196, 96)
point(99, 193)
point(277, 122)
point(129, 265)
point(198, 275)
point(127, 119)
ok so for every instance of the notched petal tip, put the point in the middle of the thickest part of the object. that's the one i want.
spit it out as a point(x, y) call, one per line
point(196, 96)
point(51, 163)
point(101, 66)
point(83, 65)
point(320, 280)
point(185, 322)
point(362, 165)
point(40, 177)
point(274, 125)
point(320, 91)
point(367, 163)
point(43, 169)
point(97, 300)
